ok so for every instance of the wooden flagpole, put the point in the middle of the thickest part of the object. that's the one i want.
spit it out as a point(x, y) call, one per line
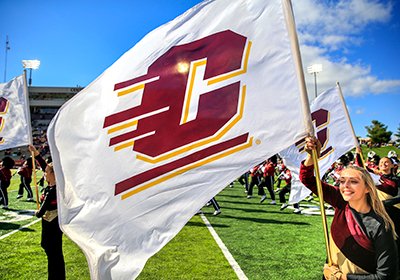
point(288, 11)
point(28, 115)
point(357, 144)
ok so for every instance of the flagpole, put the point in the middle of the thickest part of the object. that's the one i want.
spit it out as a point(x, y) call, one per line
point(357, 144)
point(28, 117)
point(287, 5)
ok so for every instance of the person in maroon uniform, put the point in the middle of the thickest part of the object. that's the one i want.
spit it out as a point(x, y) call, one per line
point(388, 189)
point(51, 233)
point(5, 178)
point(25, 173)
point(269, 172)
point(256, 175)
point(362, 237)
point(286, 175)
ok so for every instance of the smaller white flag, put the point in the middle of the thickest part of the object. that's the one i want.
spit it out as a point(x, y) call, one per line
point(15, 127)
point(333, 131)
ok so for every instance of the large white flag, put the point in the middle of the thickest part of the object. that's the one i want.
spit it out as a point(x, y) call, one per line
point(334, 132)
point(15, 127)
point(191, 107)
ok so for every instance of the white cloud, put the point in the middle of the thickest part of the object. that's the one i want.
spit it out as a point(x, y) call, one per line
point(327, 30)
point(360, 111)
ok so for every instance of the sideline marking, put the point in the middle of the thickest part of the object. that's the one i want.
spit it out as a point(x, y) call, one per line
point(15, 231)
point(239, 272)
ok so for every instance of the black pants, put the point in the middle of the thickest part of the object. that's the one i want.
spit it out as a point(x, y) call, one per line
point(25, 184)
point(215, 204)
point(283, 192)
point(4, 194)
point(52, 245)
point(244, 180)
point(256, 181)
point(269, 183)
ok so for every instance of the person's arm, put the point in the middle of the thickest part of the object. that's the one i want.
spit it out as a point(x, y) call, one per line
point(331, 193)
point(45, 205)
point(36, 153)
point(358, 160)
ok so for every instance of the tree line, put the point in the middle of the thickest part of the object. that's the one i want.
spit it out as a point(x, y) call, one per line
point(379, 133)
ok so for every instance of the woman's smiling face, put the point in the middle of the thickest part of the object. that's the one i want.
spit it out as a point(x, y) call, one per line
point(385, 165)
point(352, 186)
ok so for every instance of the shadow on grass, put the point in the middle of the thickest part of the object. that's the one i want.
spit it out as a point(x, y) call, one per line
point(246, 202)
point(248, 210)
point(9, 226)
point(234, 196)
point(265, 221)
point(200, 224)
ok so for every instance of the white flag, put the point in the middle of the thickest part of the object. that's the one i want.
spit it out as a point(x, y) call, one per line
point(334, 132)
point(191, 107)
point(15, 127)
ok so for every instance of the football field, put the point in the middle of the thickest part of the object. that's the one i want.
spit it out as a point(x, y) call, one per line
point(265, 242)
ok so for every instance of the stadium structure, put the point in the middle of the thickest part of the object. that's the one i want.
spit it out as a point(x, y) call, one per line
point(44, 103)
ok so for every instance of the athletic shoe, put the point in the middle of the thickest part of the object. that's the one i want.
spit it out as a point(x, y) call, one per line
point(208, 204)
point(297, 211)
point(30, 199)
point(217, 212)
point(19, 196)
point(284, 206)
point(277, 190)
point(5, 207)
point(273, 202)
point(264, 197)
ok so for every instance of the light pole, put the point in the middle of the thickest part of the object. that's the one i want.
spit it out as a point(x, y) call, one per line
point(314, 69)
point(5, 61)
point(30, 64)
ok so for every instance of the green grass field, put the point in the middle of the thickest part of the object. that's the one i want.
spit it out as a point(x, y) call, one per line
point(267, 243)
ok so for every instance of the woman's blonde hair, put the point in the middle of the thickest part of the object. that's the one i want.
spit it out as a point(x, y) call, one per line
point(373, 199)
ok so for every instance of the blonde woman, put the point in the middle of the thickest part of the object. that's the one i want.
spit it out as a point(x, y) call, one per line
point(362, 239)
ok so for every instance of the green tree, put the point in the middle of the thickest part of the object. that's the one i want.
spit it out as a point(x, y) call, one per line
point(397, 134)
point(378, 133)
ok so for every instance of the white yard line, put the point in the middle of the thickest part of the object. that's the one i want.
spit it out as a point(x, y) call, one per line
point(239, 272)
point(15, 231)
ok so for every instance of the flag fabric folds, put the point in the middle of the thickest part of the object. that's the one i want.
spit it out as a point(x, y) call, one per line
point(333, 131)
point(192, 106)
point(15, 127)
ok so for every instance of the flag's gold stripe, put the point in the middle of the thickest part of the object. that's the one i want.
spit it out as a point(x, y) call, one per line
point(235, 73)
point(189, 167)
point(191, 84)
point(127, 91)
point(125, 125)
point(201, 143)
point(123, 146)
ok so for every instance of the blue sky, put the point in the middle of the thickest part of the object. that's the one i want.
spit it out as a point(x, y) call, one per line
point(356, 41)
